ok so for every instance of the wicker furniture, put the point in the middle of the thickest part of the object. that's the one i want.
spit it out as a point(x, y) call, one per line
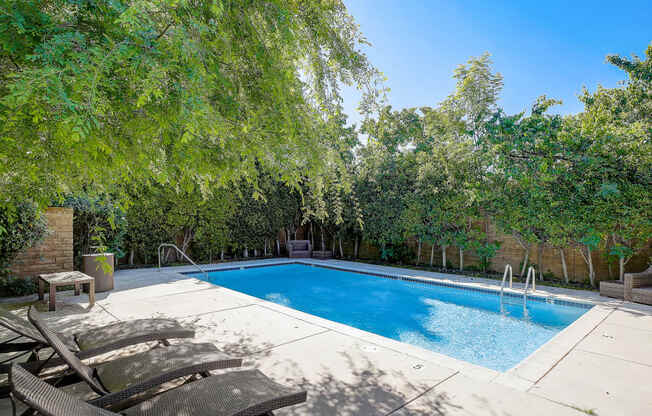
point(236, 393)
point(322, 254)
point(118, 380)
point(612, 289)
point(638, 286)
point(299, 248)
point(90, 343)
point(55, 280)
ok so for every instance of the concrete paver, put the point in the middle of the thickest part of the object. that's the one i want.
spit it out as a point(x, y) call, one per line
point(601, 363)
point(464, 396)
point(605, 385)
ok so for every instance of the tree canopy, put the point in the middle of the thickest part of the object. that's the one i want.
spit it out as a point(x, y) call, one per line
point(95, 93)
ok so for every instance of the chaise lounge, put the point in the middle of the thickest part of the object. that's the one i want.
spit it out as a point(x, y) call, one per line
point(89, 343)
point(115, 381)
point(237, 393)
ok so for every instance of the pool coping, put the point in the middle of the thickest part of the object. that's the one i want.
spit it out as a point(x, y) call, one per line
point(522, 376)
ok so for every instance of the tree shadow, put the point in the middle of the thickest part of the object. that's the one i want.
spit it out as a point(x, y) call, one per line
point(365, 390)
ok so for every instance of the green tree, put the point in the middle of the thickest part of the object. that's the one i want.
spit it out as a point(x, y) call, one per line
point(529, 177)
point(386, 174)
point(19, 230)
point(99, 93)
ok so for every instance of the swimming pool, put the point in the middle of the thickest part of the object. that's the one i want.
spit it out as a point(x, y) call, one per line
point(466, 324)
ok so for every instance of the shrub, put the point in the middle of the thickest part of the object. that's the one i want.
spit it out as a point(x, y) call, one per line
point(99, 225)
point(19, 230)
point(16, 286)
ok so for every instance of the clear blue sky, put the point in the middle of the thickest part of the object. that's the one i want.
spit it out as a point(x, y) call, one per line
point(540, 47)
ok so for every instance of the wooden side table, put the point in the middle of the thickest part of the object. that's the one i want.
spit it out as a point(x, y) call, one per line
point(55, 280)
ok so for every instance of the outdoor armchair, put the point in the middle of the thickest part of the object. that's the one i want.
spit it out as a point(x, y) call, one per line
point(120, 379)
point(236, 393)
point(299, 248)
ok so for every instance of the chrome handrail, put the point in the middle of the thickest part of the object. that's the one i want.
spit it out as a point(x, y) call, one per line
point(530, 272)
point(508, 268)
point(180, 252)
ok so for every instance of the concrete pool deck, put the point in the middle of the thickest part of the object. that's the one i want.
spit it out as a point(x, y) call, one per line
point(602, 363)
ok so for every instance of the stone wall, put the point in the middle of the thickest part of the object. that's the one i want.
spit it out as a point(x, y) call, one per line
point(54, 253)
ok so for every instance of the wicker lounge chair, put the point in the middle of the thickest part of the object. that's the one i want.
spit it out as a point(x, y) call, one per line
point(235, 393)
point(118, 380)
point(299, 248)
point(89, 343)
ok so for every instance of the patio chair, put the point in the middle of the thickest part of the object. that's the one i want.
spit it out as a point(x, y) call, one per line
point(235, 393)
point(88, 343)
point(117, 380)
point(299, 248)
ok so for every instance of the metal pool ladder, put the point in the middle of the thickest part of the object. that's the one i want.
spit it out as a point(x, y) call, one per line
point(180, 252)
point(508, 269)
point(530, 272)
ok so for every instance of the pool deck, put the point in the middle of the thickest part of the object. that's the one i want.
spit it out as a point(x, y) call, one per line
point(602, 363)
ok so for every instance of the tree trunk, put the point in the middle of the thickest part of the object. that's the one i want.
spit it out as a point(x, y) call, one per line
point(443, 256)
point(323, 243)
point(131, 257)
point(265, 247)
point(341, 249)
point(245, 253)
point(333, 246)
point(432, 253)
point(167, 255)
point(222, 254)
point(461, 259)
point(563, 264)
point(278, 247)
point(312, 236)
point(621, 266)
point(187, 238)
point(525, 260)
point(419, 252)
point(540, 260)
point(589, 262)
point(210, 256)
point(355, 248)
point(591, 272)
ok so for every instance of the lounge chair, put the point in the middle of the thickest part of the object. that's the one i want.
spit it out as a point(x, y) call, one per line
point(118, 380)
point(89, 343)
point(235, 393)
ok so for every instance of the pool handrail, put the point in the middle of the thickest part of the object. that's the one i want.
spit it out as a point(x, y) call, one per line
point(180, 252)
point(530, 272)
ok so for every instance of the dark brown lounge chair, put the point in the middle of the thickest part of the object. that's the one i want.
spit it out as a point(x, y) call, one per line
point(236, 393)
point(120, 379)
point(89, 343)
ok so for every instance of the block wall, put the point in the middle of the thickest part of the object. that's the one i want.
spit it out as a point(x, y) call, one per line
point(54, 253)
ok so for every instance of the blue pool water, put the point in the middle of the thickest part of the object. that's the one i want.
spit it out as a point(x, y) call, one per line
point(464, 324)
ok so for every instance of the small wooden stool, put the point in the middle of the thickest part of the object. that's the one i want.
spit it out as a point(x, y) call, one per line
point(65, 279)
